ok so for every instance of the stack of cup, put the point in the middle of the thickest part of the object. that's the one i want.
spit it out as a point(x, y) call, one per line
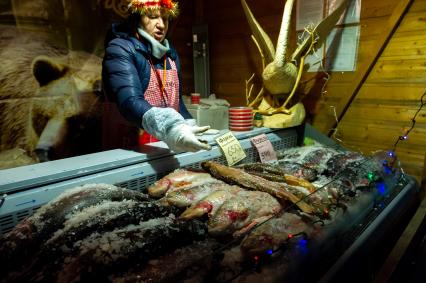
point(240, 118)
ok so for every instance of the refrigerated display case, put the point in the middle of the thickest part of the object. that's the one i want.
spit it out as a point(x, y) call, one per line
point(334, 249)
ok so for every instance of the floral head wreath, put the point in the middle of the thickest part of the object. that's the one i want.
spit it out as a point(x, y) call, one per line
point(143, 6)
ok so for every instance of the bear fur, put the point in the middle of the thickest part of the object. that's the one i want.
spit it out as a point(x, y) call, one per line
point(50, 98)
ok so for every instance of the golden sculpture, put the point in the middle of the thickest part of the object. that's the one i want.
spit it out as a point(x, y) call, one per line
point(281, 73)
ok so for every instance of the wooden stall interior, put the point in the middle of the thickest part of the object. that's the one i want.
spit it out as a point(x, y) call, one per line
point(366, 109)
point(378, 105)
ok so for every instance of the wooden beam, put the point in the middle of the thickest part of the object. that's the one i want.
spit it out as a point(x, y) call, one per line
point(363, 72)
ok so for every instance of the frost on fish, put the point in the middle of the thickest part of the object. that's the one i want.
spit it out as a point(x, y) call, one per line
point(106, 216)
point(240, 210)
point(298, 170)
point(331, 163)
point(100, 254)
point(27, 237)
point(340, 173)
point(183, 263)
point(104, 233)
point(179, 179)
point(272, 234)
point(351, 170)
point(313, 157)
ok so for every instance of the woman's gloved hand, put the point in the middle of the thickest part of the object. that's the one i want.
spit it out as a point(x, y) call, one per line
point(182, 138)
point(168, 125)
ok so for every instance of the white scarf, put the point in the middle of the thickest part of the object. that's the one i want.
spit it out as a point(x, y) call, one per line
point(158, 48)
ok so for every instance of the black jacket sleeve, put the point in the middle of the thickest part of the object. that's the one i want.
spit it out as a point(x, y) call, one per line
point(121, 80)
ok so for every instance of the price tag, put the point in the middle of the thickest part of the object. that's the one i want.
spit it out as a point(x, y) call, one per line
point(231, 147)
point(264, 148)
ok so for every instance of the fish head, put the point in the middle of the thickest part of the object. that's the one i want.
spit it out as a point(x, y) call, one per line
point(159, 188)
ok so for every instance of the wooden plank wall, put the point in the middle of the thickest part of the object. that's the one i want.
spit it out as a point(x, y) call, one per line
point(234, 57)
point(390, 96)
point(386, 101)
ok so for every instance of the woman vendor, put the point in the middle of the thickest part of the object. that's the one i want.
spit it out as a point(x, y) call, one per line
point(141, 73)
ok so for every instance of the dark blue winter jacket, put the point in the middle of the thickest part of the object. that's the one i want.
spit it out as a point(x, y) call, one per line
point(126, 73)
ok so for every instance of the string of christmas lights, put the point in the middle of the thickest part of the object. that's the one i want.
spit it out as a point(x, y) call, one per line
point(391, 153)
point(413, 123)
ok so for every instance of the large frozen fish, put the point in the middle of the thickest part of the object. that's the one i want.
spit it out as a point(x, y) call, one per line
point(99, 255)
point(273, 233)
point(314, 157)
point(299, 170)
point(104, 217)
point(210, 203)
point(276, 174)
point(96, 257)
point(178, 179)
point(28, 236)
point(353, 170)
point(276, 170)
point(301, 188)
point(176, 266)
point(241, 210)
point(246, 180)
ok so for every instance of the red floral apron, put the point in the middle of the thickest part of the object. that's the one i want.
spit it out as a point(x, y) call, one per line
point(162, 91)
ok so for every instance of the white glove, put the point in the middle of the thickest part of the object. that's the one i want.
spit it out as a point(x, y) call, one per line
point(182, 138)
point(169, 126)
point(191, 122)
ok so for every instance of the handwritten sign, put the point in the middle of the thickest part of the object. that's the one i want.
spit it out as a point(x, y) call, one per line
point(231, 147)
point(264, 148)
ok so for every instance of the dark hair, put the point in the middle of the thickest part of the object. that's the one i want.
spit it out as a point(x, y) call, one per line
point(133, 21)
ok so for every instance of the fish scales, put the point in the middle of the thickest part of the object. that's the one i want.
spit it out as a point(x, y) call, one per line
point(102, 218)
point(187, 196)
point(30, 234)
point(277, 171)
point(240, 210)
point(99, 255)
point(294, 185)
point(284, 178)
point(298, 170)
point(269, 168)
point(315, 156)
point(210, 203)
point(239, 177)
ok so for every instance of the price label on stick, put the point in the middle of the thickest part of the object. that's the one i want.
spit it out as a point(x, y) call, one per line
point(231, 147)
point(264, 148)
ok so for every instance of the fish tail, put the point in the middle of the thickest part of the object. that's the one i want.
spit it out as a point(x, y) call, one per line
point(305, 207)
point(294, 199)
